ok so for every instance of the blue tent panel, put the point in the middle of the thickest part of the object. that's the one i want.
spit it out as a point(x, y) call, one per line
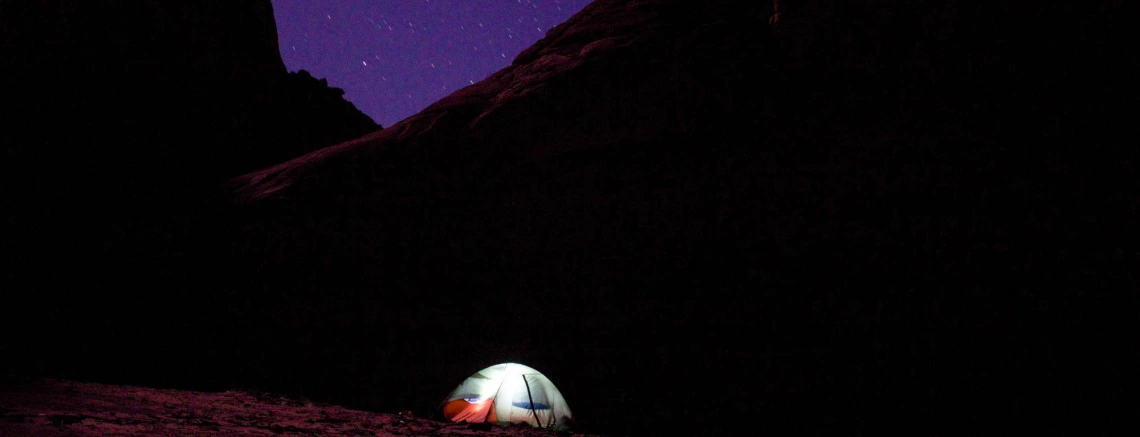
point(526, 405)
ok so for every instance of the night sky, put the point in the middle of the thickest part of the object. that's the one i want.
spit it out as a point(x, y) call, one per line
point(395, 58)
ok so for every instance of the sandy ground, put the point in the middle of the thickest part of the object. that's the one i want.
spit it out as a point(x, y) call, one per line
point(64, 408)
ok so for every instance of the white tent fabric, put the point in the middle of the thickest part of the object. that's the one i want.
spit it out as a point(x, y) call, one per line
point(508, 393)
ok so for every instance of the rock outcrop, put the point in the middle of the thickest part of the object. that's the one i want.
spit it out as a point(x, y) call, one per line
point(121, 121)
point(122, 118)
point(121, 115)
point(165, 92)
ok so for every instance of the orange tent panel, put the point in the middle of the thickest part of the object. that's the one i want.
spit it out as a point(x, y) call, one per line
point(460, 410)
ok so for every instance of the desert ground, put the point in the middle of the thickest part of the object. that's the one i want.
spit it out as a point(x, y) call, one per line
point(65, 408)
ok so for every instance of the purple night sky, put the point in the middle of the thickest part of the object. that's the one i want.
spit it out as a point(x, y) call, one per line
point(394, 58)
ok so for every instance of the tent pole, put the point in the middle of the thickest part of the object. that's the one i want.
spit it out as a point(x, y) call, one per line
point(489, 411)
point(531, 399)
point(493, 399)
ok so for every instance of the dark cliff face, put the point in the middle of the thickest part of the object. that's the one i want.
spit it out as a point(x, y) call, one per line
point(123, 118)
point(698, 223)
point(157, 94)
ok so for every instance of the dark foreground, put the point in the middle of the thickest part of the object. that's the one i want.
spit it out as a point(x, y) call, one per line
point(63, 408)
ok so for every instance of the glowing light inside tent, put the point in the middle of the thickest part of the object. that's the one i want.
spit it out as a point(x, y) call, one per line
point(509, 393)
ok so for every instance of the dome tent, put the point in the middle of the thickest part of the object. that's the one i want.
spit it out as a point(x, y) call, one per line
point(508, 393)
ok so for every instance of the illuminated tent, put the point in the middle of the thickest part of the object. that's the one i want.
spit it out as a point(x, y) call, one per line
point(508, 393)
